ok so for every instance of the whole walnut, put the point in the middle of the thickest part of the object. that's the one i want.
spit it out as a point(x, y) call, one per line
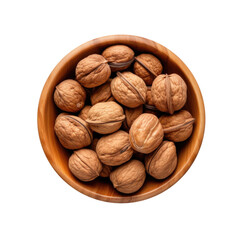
point(146, 133)
point(106, 170)
point(163, 161)
point(93, 71)
point(131, 114)
point(114, 149)
point(69, 96)
point(85, 165)
point(84, 112)
point(101, 94)
point(129, 89)
point(129, 177)
point(72, 131)
point(105, 117)
point(177, 127)
point(119, 57)
point(147, 67)
point(94, 144)
point(169, 92)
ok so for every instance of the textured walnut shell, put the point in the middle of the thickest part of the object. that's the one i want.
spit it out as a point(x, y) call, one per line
point(163, 161)
point(146, 133)
point(84, 112)
point(169, 93)
point(129, 177)
point(69, 96)
point(119, 57)
point(106, 170)
point(129, 89)
point(177, 127)
point(94, 144)
point(105, 117)
point(114, 149)
point(72, 131)
point(101, 94)
point(85, 165)
point(147, 67)
point(93, 71)
point(131, 114)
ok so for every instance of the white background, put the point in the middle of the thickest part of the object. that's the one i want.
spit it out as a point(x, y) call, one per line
point(36, 203)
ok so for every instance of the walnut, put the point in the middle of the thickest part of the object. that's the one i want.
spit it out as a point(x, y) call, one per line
point(85, 165)
point(146, 133)
point(101, 94)
point(94, 144)
point(93, 71)
point(105, 117)
point(149, 105)
point(163, 161)
point(72, 131)
point(131, 114)
point(177, 127)
point(169, 93)
point(129, 89)
point(147, 67)
point(114, 149)
point(106, 170)
point(129, 177)
point(84, 112)
point(69, 96)
point(119, 57)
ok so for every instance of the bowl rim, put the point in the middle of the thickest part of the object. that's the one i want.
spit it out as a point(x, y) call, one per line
point(132, 198)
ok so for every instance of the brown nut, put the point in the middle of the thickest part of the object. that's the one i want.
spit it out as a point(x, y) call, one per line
point(129, 177)
point(105, 117)
point(119, 57)
point(163, 161)
point(169, 92)
point(69, 96)
point(94, 144)
point(84, 112)
point(106, 170)
point(93, 71)
point(131, 114)
point(114, 149)
point(85, 165)
point(101, 94)
point(129, 89)
point(72, 131)
point(177, 127)
point(147, 67)
point(146, 133)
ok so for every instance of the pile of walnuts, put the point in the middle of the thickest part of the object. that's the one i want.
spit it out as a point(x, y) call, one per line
point(122, 124)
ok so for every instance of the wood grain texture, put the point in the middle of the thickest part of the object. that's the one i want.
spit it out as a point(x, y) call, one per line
point(101, 188)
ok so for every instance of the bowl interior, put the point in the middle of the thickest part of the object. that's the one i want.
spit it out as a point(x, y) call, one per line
point(101, 188)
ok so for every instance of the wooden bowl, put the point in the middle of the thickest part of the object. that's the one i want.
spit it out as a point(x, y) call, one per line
point(101, 188)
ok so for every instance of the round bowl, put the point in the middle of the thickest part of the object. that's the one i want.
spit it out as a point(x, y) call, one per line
point(102, 188)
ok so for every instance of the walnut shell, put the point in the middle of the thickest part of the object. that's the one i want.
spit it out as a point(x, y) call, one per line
point(101, 94)
point(105, 117)
point(129, 177)
point(163, 161)
point(84, 112)
point(129, 89)
point(85, 165)
point(69, 96)
point(106, 170)
point(72, 131)
point(131, 114)
point(146, 133)
point(147, 67)
point(93, 71)
point(94, 144)
point(119, 57)
point(169, 93)
point(114, 149)
point(177, 127)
